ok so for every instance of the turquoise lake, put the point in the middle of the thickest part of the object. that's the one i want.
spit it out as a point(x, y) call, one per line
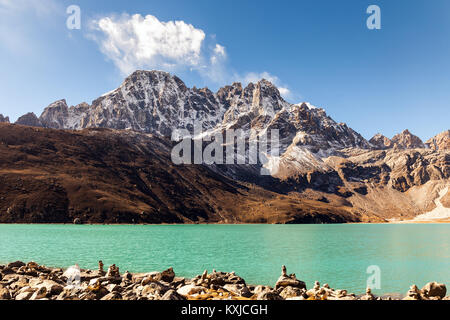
point(335, 254)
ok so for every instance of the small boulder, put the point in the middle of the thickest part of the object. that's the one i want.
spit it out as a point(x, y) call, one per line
point(41, 293)
point(154, 289)
point(167, 275)
point(434, 289)
point(113, 272)
point(292, 292)
point(172, 295)
point(112, 296)
point(238, 289)
point(413, 293)
point(270, 295)
point(286, 280)
point(52, 287)
point(189, 290)
point(368, 295)
point(113, 287)
point(16, 264)
point(127, 276)
point(5, 294)
point(25, 295)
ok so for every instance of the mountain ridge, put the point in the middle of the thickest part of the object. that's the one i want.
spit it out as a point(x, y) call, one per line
point(325, 171)
point(225, 105)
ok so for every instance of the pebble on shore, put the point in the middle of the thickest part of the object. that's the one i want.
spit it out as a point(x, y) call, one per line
point(30, 281)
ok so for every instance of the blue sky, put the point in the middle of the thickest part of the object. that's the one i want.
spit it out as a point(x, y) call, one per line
point(317, 51)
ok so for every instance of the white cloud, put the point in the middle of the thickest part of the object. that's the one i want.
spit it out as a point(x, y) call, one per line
point(220, 50)
point(215, 70)
point(284, 91)
point(136, 42)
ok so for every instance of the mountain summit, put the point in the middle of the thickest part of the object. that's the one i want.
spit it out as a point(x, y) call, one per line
point(118, 167)
point(158, 102)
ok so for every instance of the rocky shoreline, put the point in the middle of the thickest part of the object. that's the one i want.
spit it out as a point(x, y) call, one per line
point(30, 281)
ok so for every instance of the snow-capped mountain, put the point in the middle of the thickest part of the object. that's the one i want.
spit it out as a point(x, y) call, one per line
point(147, 101)
point(157, 102)
point(322, 165)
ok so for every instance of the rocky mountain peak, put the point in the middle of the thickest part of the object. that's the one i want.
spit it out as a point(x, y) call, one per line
point(440, 141)
point(55, 114)
point(267, 98)
point(153, 78)
point(406, 140)
point(4, 119)
point(59, 116)
point(29, 119)
point(156, 102)
point(379, 141)
point(257, 100)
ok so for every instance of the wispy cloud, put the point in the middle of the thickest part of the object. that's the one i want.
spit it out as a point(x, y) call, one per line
point(134, 42)
point(144, 42)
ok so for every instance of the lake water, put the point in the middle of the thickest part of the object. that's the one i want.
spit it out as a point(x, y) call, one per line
point(334, 254)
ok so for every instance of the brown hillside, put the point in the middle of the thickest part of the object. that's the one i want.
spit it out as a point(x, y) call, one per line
point(110, 176)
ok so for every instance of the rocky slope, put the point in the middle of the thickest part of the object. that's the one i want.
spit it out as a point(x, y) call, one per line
point(406, 140)
point(440, 141)
point(325, 171)
point(4, 119)
point(29, 119)
point(114, 176)
point(104, 175)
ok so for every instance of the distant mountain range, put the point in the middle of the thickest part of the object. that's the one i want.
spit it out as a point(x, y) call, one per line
point(328, 172)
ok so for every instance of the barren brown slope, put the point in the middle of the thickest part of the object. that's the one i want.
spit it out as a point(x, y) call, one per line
point(110, 176)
